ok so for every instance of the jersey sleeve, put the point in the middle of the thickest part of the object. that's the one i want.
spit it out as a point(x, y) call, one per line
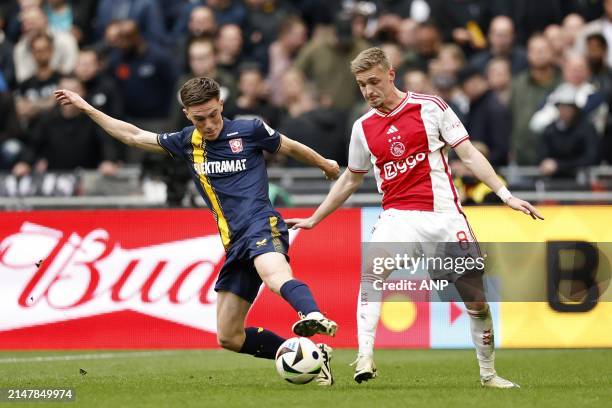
point(172, 143)
point(359, 154)
point(265, 137)
point(451, 129)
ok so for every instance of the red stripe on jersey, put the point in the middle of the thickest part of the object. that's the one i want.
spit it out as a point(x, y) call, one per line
point(443, 106)
point(458, 142)
point(435, 98)
point(402, 158)
point(450, 181)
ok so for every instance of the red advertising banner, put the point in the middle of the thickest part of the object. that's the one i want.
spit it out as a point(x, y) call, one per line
point(144, 278)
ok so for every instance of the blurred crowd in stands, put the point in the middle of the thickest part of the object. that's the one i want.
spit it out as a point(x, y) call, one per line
point(531, 79)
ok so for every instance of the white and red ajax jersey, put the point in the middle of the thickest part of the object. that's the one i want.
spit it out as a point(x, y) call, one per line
point(406, 147)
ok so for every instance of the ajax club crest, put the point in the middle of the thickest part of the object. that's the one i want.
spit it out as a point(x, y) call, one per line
point(397, 147)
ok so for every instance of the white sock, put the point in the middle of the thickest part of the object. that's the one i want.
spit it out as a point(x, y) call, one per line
point(368, 314)
point(481, 325)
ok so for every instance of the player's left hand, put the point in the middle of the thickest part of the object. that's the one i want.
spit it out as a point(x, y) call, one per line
point(524, 206)
point(332, 170)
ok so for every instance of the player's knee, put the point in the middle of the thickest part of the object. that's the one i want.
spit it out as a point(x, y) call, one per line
point(230, 342)
point(477, 307)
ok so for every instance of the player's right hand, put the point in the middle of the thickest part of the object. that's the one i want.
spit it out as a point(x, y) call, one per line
point(332, 172)
point(66, 97)
point(297, 223)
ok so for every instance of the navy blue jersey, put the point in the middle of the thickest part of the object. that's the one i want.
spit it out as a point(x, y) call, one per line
point(229, 172)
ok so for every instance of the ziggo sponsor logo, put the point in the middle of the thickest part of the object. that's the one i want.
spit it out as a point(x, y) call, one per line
point(392, 169)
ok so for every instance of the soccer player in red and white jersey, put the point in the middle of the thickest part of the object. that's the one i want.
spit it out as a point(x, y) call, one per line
point(405, 138)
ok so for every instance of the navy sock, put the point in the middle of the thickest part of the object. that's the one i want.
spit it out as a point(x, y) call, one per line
point(299, 296)
point(261, 343)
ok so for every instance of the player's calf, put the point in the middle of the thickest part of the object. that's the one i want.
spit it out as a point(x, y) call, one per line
point(260, 343)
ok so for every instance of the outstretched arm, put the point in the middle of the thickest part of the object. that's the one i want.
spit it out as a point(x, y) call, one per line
point(346, 185)
point(482, 169)
point(305, 154)
point(123, 131)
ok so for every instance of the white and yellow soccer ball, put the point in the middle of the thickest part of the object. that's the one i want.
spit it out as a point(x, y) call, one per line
point(298, 360)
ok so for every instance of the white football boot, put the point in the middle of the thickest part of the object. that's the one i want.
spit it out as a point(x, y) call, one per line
point(314, 323)
point(325, 377)
point(365, 369)
point(495, 381)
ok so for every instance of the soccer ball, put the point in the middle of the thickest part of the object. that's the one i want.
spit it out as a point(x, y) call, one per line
point(298, 360)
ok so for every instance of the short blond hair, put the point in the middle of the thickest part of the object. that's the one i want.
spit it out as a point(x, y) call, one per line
point(368, 59)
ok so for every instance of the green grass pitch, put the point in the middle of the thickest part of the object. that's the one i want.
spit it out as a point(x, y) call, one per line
point(408, 378)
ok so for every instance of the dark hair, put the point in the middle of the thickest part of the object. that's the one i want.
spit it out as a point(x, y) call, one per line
point(199, 90)
point(598, 38)
point(40, 35)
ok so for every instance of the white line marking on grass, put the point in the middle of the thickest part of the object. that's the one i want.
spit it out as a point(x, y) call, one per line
point(97, 356)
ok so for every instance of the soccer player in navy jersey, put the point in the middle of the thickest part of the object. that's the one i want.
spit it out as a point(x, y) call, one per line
point(227, 164)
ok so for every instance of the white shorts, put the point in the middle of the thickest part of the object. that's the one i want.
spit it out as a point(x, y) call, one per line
point(421, 226)
point(400, 232)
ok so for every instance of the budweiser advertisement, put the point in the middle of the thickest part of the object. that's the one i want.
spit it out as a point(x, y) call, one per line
point(144, 279)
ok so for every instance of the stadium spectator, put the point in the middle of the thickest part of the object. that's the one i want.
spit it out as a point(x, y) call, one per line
point(499, 77)
point(406, 36)
point(146, 14)
point(488, 121)
point(589, 99)
point(229, 48)
point(570, 142)
point(202, 24)
point(443, 72)
point(322, 129)
point(417, 81)
point(35, 95)
point(292, 36)
point(501, 44)
point(228, 12)
point(596, 53)
point(83, 14)
point(145, 75)
point(11, 143)
point(297, 97)
point(264, 17)
point(531, 16)
point(251, 101)
point(100, 90)
point(529, 91)
point(554, 35)
point(202, 62)
point(571, 26)
point(465, 21)
point(419, 10)
point(449, 61)
point(65, 47)
point(59, 15)
point(601, 26)
point(66, 139)
point(327, 64)
point(6, 59)
point(428, 45)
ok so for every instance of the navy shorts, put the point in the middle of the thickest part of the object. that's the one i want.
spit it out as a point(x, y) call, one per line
point(238, 274)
